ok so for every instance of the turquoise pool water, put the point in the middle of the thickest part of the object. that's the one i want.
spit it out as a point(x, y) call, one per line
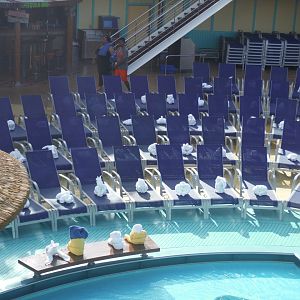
point(207, 281)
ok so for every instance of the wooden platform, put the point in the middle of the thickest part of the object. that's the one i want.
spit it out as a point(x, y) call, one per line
point(93, 252)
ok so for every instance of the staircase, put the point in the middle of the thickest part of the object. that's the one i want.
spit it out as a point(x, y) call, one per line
point(162, 25)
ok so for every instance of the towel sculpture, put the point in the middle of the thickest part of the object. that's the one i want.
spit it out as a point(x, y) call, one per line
point(161, 121)
point(143, 99)
point(65, 197)
point(100, 188)
point(11, 125)
point(223, 152)
point(192, 120)
point(182, 188)
point(170, 99)
point(141, 186)
point(292, 157)
point(206, 86)
point(220, 185)
point(260, 190)
point(27, 204)
point(200, 102)
point(53, 149)
point(152, 149)
point(127, 122)
point(186, 149)
point(78, 235)
point(281, 125)
point(137, 235)
point(115, 240)
point(17, 155)
point(53, 250)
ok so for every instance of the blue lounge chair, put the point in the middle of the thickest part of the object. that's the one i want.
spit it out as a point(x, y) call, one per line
point(86, 85)
point(171, 172)
point(128, 171)
point(86, 169)
point(209, 166)
point(96, 107)
point(46, 184)
point(6, 113)
point(166, 85)
point(139, 87)
point(278, 89)
point(255, 172)
point(250, 106)
point(228, 71)
point(202, 70)
point(38, 136)
point(296, 86)
point(112, 86)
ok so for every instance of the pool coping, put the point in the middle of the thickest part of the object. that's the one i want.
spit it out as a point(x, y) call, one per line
point(49, 280)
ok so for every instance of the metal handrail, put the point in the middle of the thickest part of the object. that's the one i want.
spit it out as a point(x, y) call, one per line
point(205, 4)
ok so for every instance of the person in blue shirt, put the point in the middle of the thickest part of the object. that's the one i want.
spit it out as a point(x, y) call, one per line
point(104, 64)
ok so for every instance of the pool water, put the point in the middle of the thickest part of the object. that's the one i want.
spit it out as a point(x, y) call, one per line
point(207, 281)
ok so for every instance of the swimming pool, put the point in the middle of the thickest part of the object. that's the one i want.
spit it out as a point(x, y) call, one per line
point(213, 280)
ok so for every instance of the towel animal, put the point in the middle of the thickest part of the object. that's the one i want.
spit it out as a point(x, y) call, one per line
point(206, 86)
point(292, 157)
point(161, 121)
point(152, 149)
point(115, 240)
point(17, 155)
point(11, 125)
point(127, 122)
point(78, 235)
point(260, 190)
point(53, 149)
point(200, 102)
point(170, 99)
point(141, 186)
point(100, 188)
point(137, 235)
point(220, 184)
point(281, 125)
point(182, 188)
point(143, 99)
point(192, 120)
point(186, 149)
point(65, 197)
point(51, 250)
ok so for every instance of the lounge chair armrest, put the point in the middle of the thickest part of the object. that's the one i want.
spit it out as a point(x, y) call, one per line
point(27, 146)
point(70, 183)
point(167, 141)
point(133, 140)
point(194, 139)
point(160, 139)
point(91, 142)
point(272, 178)
point(190, 175)
point(156, 177)
point(226, 171)
point(229, 143)
point(233, 119)
point(238, 174)
point(150, 176)
point(239, 144)
point(126, 140)
point(117, 179)
point(107, 177)
point(99, 145)
point(21, 121)
point(20, 146)
point(77, 181)
point(144, 113)
point(36, 188)
point(84, 117)
point(61, 145)
point(277, 146)
point(294, 182)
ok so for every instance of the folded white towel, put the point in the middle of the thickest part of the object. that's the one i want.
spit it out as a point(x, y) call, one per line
point(65, 197)
point(141, 186)
point(292, 157)
point(143, 99)
point(281, 125)
point(192, 120)
point(200, 102)
point(274, 125)
point(53, 149)
point(152, 149)
point(17, 155)
point(228, 104)
point(260, 190)
point(113, 100)
point(186, 149)
point(161, 121)
point(100, 188)
point(223, 152)
point(206, 86)
point(27, 204)
point(182, 188)
point(127, 122)
point(170, 99)
point(280, 151)
point(220, 184)
point(116, 240)
point(137, 228)
point(11, 125)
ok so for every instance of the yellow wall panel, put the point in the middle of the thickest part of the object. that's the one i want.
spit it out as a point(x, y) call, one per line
point(244, 15)
point(264, 15)
point(223, 18)
point(101, 9)
point(85, 14)
point(204, 26)
point(118, 9)
point(297, 27)
point(285, 16)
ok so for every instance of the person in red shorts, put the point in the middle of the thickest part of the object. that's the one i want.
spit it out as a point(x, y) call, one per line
point(121, 64)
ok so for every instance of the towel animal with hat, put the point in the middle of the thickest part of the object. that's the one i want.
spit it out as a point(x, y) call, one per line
point(77, 239)
point(137, 235)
